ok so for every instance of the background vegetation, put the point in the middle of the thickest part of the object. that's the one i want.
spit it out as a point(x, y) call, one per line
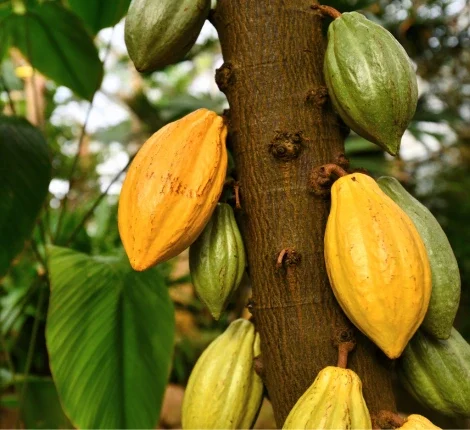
point(67, 294)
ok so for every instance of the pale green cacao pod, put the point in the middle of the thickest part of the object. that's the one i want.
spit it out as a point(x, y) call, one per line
point(224, 391)
point(217, 260)
point(437, 373)
point(370, 80)
point(333, 401)
point(161, 32)
point(445, 294)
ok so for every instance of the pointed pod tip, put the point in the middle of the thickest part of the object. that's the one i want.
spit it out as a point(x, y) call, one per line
point(216, 315)
point(393, 354)
point(391, 146)
point(138, 265)
point(216, 311)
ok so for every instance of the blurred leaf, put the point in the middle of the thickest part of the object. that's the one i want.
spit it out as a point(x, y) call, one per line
point(9, 401)
point(107, 236)
point(5, 8)
point(12, 309)
point(110, 339)
point(376, 165)
point(363, 154)
point(71, 219)
point(41, 406)
point(57, 44)
point(356, 145)
point(24, 180)
point(99, 14)
point(5, 11)
point(6, 377)
point(183, 104)
point(12, 82)
point(115, 133)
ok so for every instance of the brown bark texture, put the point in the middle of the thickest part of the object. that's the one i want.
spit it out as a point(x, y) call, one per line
point(281, 127)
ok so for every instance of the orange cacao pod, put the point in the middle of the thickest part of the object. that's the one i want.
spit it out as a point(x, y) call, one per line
point(172, 188)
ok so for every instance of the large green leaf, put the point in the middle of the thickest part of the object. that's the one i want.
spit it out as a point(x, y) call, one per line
point(99, 14)
point(41, 408)
point(24, 179)
point(110, 340)
point(57, 44)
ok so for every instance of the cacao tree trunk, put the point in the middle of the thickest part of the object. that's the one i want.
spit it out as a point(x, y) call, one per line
point(281, 127)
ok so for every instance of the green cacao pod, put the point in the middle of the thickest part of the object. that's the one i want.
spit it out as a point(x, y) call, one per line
point(445, 294)
point(333, 401)
point(224, 391)
point(159, 33)
point(217, 260)
point(370, 80)
point(437, 373)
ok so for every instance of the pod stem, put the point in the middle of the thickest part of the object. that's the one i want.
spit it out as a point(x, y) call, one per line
point(322, 177)
point(327, 10)
point(344, 348)
point(385, 419)
point(328, 170)
point(236, 190)
point(288, 258)
point(230, 182)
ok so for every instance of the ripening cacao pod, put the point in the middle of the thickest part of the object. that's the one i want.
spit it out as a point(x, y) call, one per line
point(159, 33)
point(437, 373)
point(217, 260)
point(417, 422)
point(224, 391)
point(376, 263)
point(370, 80)
point(172, 188)
point(333, 401)
point(445, 274)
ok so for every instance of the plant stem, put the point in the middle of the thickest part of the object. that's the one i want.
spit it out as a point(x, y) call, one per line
point(32, 345)
point(23, 302)
point(90, 211)
point(10, 100)
point(81, 140)
point(9, 361)
point(38, 255)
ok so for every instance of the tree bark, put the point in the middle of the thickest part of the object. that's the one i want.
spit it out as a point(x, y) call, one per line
point(281, 127)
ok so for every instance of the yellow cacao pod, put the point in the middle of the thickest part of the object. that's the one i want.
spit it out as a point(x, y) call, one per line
point(376, 262)
point(417, 422)
point(224, 391)
point(333, 401)
point(172, 188)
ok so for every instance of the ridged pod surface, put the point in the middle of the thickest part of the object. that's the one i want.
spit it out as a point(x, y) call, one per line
point(172, 188)
point(445, 295)
point(437, 373)
point(224, 391)
point(376, 263)
point(417, 422)
point(333, 401)
point(217, 260)
point(370, 80)
point(159, 33)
